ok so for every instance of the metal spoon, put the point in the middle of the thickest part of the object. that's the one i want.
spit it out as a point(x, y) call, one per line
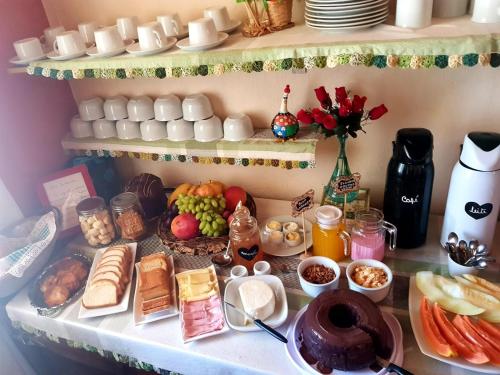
point(482, 250)
point(453, 238)
point(473, 245)
point(462, 251)
point(481, 265)
point(223, 259)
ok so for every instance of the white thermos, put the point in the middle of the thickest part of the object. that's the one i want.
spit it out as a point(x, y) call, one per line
point(474, 195)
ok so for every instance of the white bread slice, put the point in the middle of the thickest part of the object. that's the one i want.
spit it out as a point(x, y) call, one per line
point(109, 276)
point(122, 266)
point(103, 293)
point(151, 262)
point(120, 261)
point(117, 250)
point(112, 268)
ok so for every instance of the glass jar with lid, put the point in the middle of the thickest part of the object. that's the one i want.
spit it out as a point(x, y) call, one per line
point(244, 236)
point(368, 235)
point(128, 216)
point(329, 236)
point(95, 221)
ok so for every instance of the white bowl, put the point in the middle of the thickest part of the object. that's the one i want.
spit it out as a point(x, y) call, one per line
point(104, 129)
point(196, 107)
point(167, 108)
point(455, 269)
point(127, 129)
point(115, 108)
point(180, 130)
point(140, 109)
point(315, 290)
point(208, 130)
point(238, 127)
point(262, 268)
point(153, 130)
point(80, 128)
point(375, 294)
point(91, 109)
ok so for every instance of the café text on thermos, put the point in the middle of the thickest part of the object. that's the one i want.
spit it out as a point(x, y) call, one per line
point(408, 187)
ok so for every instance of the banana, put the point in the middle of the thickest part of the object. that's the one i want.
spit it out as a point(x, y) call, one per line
point(181, 189)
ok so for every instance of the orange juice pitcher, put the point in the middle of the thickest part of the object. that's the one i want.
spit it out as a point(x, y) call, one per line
point(329, 236)
point(245, 239)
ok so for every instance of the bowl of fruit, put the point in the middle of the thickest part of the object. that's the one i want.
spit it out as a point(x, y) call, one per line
point(197, 218)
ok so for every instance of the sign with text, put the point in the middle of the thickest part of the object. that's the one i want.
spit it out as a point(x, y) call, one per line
point(303, 203)
point(347, 184)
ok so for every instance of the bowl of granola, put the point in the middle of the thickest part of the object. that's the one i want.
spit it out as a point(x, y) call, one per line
point(317, 274)
point(369, 277)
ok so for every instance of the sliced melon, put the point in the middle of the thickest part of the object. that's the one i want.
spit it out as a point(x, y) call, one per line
point(472, 285)
point(492, 316)
point(426, 284)
point(495, 288)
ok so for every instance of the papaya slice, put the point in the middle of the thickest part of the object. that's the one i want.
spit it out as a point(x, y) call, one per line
point(431, 331)
point(454, 337)
point(490, 328)
point(485, 335)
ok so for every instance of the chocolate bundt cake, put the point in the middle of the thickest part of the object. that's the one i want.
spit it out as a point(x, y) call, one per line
point(344, 330)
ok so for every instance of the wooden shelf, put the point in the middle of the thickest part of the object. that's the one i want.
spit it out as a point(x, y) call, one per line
point(447, 43)
point(258, 150)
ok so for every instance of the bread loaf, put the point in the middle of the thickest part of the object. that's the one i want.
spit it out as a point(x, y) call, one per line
point(149, 189)
point(103, 293)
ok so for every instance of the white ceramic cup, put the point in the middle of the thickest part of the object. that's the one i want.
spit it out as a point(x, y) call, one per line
point(49, 35)
point(108, 39)
point(87, 30)
point(238, 126)
point(471, 6)
point(115, 108)
point(486, 11)
point(127, 27)
point(449, 8)
point(68, 43)
point(196, 107)
point(219, 15)
point(140, 108)
point(91, 109)
point(127, 129)
point(262, 268)
point(104, 129)
point(455, 269)
point(238, 271)
point(80, 128)
point(167, 108)
point(202, 31)
point(29, 48)
point(153, 130)
point(151, 36)
point(414, 14)
point(180, 130)
point(208, 130)
point(171, 24)
point(315, 290)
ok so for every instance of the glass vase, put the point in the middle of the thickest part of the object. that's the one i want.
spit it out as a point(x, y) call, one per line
point(341, 169)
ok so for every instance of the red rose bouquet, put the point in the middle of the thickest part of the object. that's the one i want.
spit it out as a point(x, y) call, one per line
point(345, 116)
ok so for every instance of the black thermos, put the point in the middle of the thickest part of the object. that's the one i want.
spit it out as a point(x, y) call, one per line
point(408, 186)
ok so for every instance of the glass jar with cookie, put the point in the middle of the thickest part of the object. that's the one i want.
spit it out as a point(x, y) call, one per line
point(128, 216)
point(96, 222)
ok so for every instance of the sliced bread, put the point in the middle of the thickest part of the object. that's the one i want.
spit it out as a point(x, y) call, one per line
point(110, 276)
point(118, 258)
point(103, 293)
point(153, 261)
point(111, 268)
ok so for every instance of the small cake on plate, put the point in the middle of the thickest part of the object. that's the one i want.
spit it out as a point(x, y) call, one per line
point(273, 225)
point(276, 237)
point(293, 239)
point(290, 227)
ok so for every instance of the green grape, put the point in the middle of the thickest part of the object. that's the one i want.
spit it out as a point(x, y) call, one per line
point(214, 203)
point(204, 231)
point(201, 205)
point(206, 208)
point(222, 204)
point(220, 220)
point(201, 226)
point(214, 225)
point(198, 216)
point(191, 206)
point(209, 218)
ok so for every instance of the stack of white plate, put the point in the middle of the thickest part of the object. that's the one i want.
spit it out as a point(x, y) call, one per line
point(345, 14)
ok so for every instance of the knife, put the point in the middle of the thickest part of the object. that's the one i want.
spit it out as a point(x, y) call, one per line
point(259, 323)
point(381, 364)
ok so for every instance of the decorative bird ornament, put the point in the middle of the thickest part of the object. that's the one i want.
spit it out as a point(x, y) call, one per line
point(285, 126)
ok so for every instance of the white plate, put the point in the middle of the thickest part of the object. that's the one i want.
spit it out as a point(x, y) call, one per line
point(17, 61)
point(185, 45)
point(350, 5)
point(292, 347)
point(92, 52)
point(343, 19)
point(349, 26)
point(55, 56)
point(351, 22)
point(236, 320)
point(135, 48)
point(346, 13)
point(283, 250)
point(414, 298)
point(234, 26)
point(123, 305)
point(172, 310)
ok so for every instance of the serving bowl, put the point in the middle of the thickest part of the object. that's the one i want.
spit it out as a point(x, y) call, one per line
point(375, 294)
point(312, 289)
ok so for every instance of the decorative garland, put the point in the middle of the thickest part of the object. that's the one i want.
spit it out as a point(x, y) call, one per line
point(320, 62)
point(246, 162)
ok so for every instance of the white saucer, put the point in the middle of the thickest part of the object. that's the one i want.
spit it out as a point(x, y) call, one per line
point(17, 61)
point(92, 52)
point(55, 56)
point(234, 25)
point(183, 34)
point(185, 45)
point(135, 49)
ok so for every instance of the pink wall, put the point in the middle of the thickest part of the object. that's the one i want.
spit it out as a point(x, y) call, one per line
point(34, 112)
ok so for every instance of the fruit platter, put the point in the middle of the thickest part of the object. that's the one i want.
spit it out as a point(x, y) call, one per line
point(197, 218)
point(456, 320)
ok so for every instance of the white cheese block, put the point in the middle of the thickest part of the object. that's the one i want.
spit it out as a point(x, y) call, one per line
point(258, 299)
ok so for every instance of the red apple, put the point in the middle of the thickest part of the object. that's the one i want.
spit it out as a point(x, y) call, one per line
point(185, 226)
point(233, 195)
